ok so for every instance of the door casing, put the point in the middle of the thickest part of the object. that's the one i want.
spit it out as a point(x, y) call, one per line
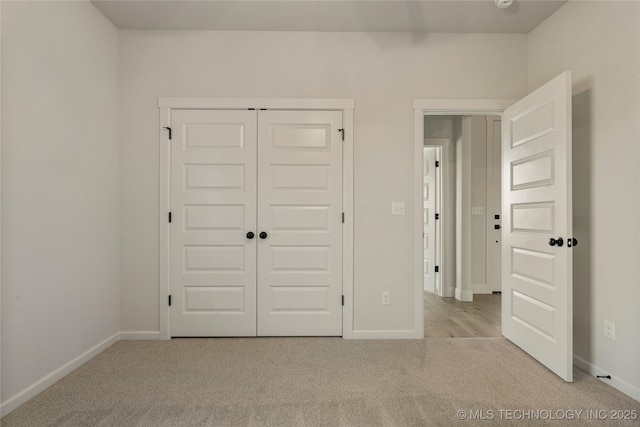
point(166, 105)
point(444, 107)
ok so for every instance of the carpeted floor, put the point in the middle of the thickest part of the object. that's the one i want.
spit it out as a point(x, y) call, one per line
point(317, 382)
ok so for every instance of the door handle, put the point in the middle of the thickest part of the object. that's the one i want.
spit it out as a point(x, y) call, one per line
point(250, 235)
point(571, 242)
point(497, 227)
point(556, 242)
point(263, 235)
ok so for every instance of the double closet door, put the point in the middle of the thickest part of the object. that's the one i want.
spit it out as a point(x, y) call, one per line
point(256, 228)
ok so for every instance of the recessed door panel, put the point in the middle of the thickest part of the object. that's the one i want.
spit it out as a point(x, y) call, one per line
point(214, 176)
point(300, 177)
point(214, 135)
point(300, 218)
point(214, 217)
point(214, 299)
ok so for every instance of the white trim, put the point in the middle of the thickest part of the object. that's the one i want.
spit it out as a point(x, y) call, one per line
point(140, 335)
point(461, 107)
point(42, 384)
point(466, 296)
point(421, 107)
point(450, 291)
point(621, 385)
point(244, 103)
point(345, 105)
point(165, 235)
point(418, 246)
point(387, 335)
point(347, 227)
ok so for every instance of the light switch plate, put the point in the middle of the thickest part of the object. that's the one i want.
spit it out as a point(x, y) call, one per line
point(477, 210)
point(397, 208)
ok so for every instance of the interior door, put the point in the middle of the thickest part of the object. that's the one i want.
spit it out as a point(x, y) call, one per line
point(213, 207)
point(428, 217)
point(300, 223)
point(537, 261)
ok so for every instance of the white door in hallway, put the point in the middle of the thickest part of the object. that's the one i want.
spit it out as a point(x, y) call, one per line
point(428, 217)
point(213, 207)
point(300, 214)
point(537, 266)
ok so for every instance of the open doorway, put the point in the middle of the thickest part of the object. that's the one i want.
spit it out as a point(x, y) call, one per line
point(461, 225)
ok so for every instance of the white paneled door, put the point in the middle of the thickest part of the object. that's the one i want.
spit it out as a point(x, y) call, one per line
point(537, 266)
point(256, 227)
point(300, 214)
point(213, 207)
point(428, 216)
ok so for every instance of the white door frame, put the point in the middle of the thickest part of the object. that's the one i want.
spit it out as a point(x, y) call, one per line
point(166, 105)
point(446, 107)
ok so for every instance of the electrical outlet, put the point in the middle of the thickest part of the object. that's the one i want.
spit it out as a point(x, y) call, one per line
point(386, 298)
point(609, 329)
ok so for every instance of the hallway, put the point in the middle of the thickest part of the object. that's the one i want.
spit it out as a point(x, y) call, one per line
point(450, 318)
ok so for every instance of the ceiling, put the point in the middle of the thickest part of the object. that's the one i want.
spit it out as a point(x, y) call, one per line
point(458, 16)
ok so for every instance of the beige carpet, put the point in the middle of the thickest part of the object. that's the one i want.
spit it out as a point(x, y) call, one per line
point(314, 382)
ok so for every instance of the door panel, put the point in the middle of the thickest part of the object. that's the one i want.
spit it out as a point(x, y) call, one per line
point(213, 205)
point(300, 209)
point(537, 284)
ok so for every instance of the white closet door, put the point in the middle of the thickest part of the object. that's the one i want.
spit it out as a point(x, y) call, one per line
point(213, 205)
point(537, 310)
point(300, 210)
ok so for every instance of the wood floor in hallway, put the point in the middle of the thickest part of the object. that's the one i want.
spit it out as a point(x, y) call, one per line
point(448, 317)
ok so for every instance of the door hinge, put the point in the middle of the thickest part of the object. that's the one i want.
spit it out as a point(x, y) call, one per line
point(342, 299)
point(437, 269)
point(437, 163)
point(169, 216)
point(343, 217)
point(437, 216)
point(169, 300)
point(169, 129)
point(342, 130)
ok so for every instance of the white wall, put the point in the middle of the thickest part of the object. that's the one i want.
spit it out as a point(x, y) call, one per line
point(382, 72)
point(60, 266)
point(600, 43)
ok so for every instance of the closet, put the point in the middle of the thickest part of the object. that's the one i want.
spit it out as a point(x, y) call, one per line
point(256, 223)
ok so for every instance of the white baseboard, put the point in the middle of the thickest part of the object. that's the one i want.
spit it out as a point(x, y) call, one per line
point(617, 383)
point(386, 335)
point(139, 335)
point(463, 295)
point(450, 291)
point(39, 386)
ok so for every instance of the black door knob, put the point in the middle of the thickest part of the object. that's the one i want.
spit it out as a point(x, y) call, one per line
point(556, 242)
point(263, 235)
point(571, 242)
point(250, 235)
